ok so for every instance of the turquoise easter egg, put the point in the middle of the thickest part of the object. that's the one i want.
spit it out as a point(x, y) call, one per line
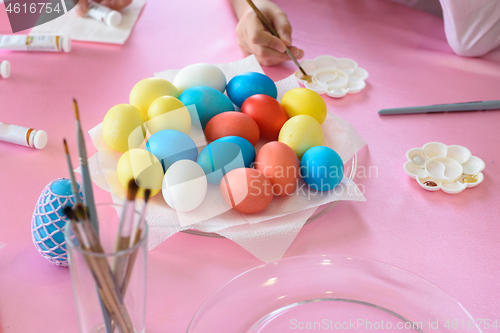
point(223, 155)
point(48, 221)
point(321, 168)
point(242, 86)
point(209, 102)
point(170, 146)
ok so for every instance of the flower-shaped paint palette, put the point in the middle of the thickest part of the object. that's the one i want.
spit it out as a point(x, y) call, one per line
point(332, 76)
point(437, 166)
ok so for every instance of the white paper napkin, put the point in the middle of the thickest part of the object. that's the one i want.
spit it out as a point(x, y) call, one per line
point(266, 234)
point(89, 30)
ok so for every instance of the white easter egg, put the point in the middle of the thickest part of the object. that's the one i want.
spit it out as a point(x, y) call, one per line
point(184, 186)
point(200, 75)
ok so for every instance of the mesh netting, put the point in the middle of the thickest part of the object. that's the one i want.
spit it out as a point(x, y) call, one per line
point(47, 225)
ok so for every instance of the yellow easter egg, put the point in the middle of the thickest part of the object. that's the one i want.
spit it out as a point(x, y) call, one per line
point(301, 133)
point(304, 101)
point(167, 112)
point(148, 90)
point(144, 167)
point(123, 127)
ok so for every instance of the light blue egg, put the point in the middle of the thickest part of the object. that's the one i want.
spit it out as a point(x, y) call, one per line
point(209, 102)
point(248, 84)
point(321, 168)
point(48, 221)
point(225, 154)
point(170, 146)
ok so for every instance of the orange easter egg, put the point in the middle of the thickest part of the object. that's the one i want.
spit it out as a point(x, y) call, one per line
point(232, 123)
point(279, 163)
point(246, 190)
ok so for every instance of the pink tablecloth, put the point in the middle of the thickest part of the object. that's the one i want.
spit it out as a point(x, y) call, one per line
point(451, 240)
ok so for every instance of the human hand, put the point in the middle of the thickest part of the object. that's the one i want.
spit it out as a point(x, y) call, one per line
point(83, 5)
point(254, 38)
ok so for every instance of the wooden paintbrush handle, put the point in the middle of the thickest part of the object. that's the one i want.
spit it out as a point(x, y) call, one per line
point(263, 18)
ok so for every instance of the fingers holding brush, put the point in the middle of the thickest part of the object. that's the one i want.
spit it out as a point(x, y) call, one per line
point(255, 38)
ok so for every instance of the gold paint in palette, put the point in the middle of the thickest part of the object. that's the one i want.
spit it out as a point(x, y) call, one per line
point(470, 179)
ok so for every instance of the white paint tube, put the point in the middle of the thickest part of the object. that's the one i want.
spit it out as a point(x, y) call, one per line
point(104, 14)
point(48, 43)
point(23, 136)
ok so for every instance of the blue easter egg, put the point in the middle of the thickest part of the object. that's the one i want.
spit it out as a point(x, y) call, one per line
point(248, 84)
point(170, 146)
point(225, 154)
point(48, 221)
point(209, 102)
point(321, 168)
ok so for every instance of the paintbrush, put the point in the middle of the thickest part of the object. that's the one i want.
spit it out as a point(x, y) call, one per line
point(129, 264)
point(111, 295)
point(74, 188)
point(87, 183)
point(125, 231)
point(271, 29)
point(137, 237)
point(98, 266)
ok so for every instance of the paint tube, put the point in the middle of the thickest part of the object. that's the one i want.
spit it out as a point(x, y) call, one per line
point(48, 43)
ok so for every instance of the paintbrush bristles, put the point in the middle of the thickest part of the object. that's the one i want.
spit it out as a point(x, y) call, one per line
point(75, 104)
point(80, 212)
point(65, 147)
point(68, 211)
point(132, 190)
point(147, 193)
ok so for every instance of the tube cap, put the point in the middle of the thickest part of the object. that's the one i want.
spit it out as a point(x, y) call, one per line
point(5, 69)
point(114, 18)
point(66, 44)
point(40, 139)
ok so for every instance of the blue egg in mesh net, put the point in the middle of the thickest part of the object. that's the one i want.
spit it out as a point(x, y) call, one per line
point(48, 221)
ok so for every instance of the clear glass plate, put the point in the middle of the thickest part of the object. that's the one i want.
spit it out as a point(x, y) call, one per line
point(318, 293)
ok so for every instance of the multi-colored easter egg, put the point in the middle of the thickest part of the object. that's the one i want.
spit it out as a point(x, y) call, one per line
point(48, 221)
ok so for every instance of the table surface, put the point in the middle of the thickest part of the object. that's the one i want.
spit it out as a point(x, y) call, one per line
point(450, 240)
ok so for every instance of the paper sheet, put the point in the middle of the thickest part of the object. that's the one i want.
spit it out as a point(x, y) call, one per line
point(89, 30)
